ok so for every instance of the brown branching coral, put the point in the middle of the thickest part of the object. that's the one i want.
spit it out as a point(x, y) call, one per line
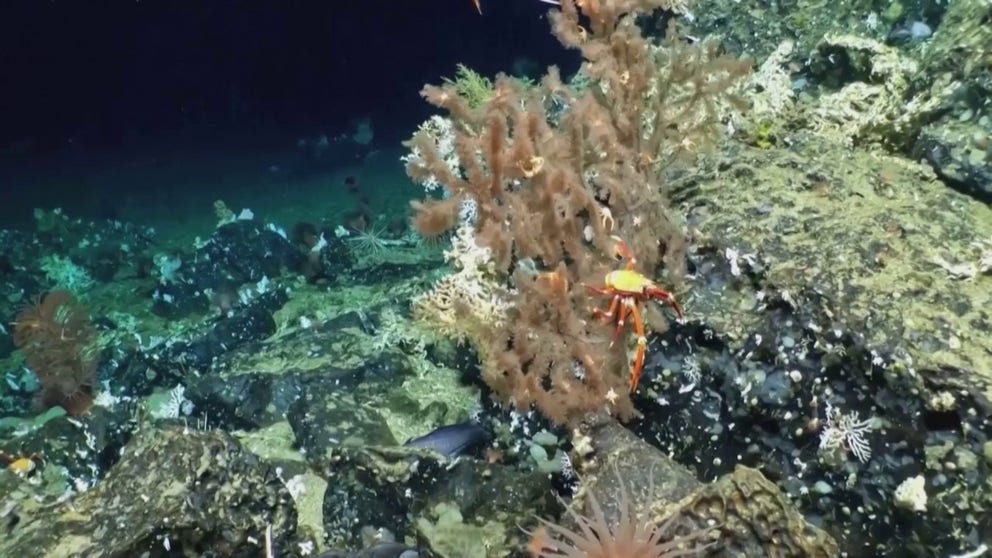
point(57, 338)
point(554, 173)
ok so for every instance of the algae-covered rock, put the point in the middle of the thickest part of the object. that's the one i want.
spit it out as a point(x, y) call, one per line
point(449, 535)
point(962, 45)
point(747, 514)
point(840, 277)
point(197, 493)
point(960, 55)
point(421, 495)
point(868, 93)
point(870, 239)
point(752, 517)
point(960, 151)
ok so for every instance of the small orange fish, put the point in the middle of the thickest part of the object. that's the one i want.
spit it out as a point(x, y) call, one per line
point(478, 6)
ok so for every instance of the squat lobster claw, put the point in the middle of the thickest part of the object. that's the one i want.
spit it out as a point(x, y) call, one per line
point(628, 289)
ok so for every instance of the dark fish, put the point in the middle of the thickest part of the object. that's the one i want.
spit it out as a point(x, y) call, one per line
point(910, 32)
point(384, 550)
point(452, 440)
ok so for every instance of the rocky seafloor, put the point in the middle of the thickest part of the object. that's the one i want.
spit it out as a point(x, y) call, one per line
point(828, 393)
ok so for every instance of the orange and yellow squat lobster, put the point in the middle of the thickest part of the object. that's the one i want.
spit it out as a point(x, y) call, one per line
point(629, 289)
point(23, 464)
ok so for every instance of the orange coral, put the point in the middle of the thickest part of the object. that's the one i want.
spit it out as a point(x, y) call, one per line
point(555, 171)
point(56, 337)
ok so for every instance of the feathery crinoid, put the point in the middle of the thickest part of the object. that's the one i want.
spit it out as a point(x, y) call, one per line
point(368, 241)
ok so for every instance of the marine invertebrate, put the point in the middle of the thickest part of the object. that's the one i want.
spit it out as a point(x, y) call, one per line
point(473, 86)
point(628, 289)
point(555, 170)
point(369, 240)
point(846, 432)
point(630, 536)
point(21, 464)
point(57, 340)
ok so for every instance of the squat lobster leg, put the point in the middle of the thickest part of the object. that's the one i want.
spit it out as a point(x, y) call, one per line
point(665, 296)
point(642, 347)
point(616, 314)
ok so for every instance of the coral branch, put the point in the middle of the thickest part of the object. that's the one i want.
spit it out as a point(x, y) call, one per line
point(556, 171)
point(57, 338)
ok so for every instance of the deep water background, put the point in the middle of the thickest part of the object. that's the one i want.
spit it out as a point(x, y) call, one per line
point(142, 110)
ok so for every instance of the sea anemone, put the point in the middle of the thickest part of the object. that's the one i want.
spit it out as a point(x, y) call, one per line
point(595, 536)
